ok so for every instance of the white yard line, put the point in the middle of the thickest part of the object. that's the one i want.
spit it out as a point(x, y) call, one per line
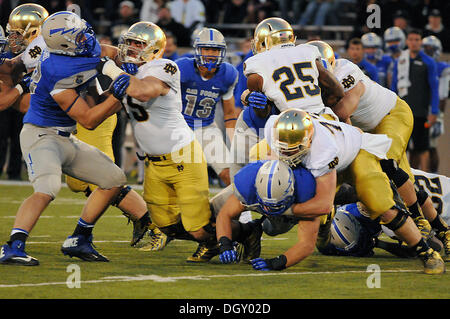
point(157, 278)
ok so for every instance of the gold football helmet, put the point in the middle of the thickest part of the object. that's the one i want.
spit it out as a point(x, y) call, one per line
point(24, 25)
point(326, 51)
point(271, 32)
point(143, 42)
point(292, 134)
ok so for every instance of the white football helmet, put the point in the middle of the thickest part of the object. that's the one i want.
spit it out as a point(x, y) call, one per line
point(345, 230)
point(66, 33)
point(394, 39)
point(3, 43)
point(209, 38)
point(432, 46)
point(275, 187)
point(372, 40)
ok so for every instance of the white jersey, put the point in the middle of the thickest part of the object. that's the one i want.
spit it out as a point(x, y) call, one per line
point(158, 125)
point(438, 188)
point(32, 53)
point(335, 145)
point(290, 77)
point(374, 104)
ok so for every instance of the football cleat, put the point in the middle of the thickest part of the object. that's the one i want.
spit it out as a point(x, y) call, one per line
point(424, 227)
point(204, 253)
point(158, 240)
point(444, 237)
point(15, 254)
point(139, 231)
point(432, 261)
point(81, 247)
point(252, 244)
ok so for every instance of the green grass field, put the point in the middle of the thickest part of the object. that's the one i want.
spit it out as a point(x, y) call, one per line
point(133, 274)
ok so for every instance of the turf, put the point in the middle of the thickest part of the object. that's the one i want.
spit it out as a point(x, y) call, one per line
point(133, 274)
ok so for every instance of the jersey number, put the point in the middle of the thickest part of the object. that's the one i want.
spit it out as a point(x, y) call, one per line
point(35, 78)
point(206, 104)
point(138, 111)
point(435, 188)
point(296, 92)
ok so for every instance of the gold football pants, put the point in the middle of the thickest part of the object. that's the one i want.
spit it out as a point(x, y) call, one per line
point(176, 188)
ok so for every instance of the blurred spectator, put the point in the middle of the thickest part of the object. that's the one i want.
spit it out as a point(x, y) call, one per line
point(355, 52)
point(190, 13)
point(436, 28)
point(171, 47)
point(167, 23)
point(388, 10)
point(235, 11)
point(421, 10)
point(290, 10)
point(258, 10)
point(149, 10)
point(415, 79)
point(126, 20)
point(401, 20)
point(316, 12)
point(213, 8)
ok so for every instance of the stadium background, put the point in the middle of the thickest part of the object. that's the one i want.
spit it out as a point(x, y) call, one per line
point(335, 21)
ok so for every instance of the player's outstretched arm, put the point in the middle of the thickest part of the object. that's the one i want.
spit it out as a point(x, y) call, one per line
point(307, 231)
point(231, 209)
point(78, 109)
point(329, 84)
point(348, 104)
point(322, 202)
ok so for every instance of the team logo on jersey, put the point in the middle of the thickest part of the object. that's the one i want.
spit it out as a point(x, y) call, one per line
point(333, 163)
point(180, 168)
point(35, 52)
point(348, 81)
point(170, 68)
point(79, 79)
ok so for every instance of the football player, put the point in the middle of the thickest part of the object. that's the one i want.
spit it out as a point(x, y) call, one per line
point(394, 42)
point(61, 76)
point(26, 43)
point(378, 110)
point(269, 188)
point(207, 79)
point(176, 182)
point(373, 52)
point(327, 147)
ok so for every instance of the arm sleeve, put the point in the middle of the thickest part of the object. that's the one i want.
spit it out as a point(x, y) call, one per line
point(394, 78)
point(433, 80)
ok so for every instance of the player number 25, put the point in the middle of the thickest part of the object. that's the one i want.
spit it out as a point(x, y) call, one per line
point(297, 92)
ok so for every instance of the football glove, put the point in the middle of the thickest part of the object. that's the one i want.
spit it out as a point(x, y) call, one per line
point(25, 83)
point(120, 86)
point(130, 68)
point(257, 100)
point(227, 253)
point(278, 263)
point(107, 67)
point(437, 128)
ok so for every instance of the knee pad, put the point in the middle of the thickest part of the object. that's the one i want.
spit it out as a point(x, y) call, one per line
point(177, 231)
point(48, 184)
point(399, 220)
point(123, 192)
point(395, 173)
point(210, 228)
point(345, 195)
point(421, 197)
point(274, 227)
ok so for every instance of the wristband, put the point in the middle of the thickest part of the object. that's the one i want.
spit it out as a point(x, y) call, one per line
point(19, 88)
point(112, 70)
point(225, 244)
point(278, 263)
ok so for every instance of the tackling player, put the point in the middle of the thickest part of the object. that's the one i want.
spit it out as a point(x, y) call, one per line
point(205, 80)
point(62, 74)
point(176, 182)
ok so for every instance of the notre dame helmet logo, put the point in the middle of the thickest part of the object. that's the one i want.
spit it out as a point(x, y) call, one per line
point(170, 68)
point(348, 81)
point(35, 52)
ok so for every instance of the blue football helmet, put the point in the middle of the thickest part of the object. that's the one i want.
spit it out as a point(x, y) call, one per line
point(275, 187)
point(372, 40)
point(345, 230)
point(3, 43)
point(66, 33)
point(394, 39)
point(432, 46)
point(209, 38)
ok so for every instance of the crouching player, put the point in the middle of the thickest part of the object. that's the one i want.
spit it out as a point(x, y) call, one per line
point(269, 188)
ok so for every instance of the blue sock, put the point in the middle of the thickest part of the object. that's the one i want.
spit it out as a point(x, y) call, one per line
point(83, 228)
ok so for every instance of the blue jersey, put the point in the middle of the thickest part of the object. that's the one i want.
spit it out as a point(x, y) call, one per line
point(441, 66)
point(383, 68)
point(200, 96)
point(241, 85)
point(53, 73)
point(255, 122)
point(245, 190)
point(369, 69)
